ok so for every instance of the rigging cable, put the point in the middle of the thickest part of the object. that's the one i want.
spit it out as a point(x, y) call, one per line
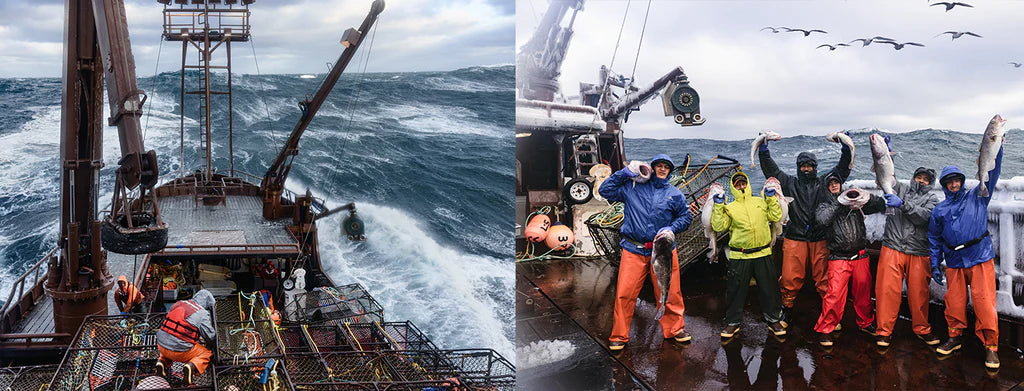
point(604, 83)
point(352, 109)
point(259, 77)
point(642, 31)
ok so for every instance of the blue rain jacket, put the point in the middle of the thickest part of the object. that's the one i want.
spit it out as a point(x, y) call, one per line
point(649, 207)
point(961, 217)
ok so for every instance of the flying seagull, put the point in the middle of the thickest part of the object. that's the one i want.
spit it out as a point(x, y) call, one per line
point(806, 32)
point(950, 6)
point(831, 47)
point(868, 41)
point(958, 34)
point(773, 29)
point(1015, 64)
point(899, 46)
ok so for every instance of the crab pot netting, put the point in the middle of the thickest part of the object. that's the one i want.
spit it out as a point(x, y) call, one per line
point(321, 337)
point(238, 341)
point(370, 367)
point(237, 308)
point(26, 378)
point(482, 369)
point(689, 243)
point(118, 331)
point(387, 336)
point(433, 385)
point(348, 303)
point(117, 369)
point(254, 375)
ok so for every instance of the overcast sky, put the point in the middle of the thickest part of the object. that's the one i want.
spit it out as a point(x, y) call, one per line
point(289, 36)
point(750, 80)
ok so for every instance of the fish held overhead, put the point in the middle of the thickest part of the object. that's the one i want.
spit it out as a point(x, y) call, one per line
point(995, 134)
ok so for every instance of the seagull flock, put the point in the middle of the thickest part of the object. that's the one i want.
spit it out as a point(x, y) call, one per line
point(884, 40)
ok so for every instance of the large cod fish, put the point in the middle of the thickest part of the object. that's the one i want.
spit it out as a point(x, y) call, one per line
point(661, 262)
point(885, 171)
point(761, 137)
point(987, 151)
point(773, 183)
point(843, 138)
point(705, 220)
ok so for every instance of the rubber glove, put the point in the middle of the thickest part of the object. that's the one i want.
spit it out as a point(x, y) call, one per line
point(719, 198)
point(937, 276)
point(769, 192)
point(893, 200)
point(764, 146)
point(887, 140)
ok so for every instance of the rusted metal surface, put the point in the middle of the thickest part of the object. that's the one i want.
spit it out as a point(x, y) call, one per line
point(582, 292)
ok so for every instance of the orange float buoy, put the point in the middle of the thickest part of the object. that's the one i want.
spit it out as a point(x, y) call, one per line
point(537, 228)
point(560, 237)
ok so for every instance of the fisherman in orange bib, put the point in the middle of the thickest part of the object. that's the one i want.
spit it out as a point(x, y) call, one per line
point(187, 327)
point(127, 297)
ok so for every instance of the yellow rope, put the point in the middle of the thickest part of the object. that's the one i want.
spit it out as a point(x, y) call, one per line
point(312, 343)
point(397, 347)
point(687, 182)
point(354, 337)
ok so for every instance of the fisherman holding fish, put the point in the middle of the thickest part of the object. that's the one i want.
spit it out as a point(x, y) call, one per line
point(842, 215)
point(654, 212)
point(904, 254)
point(748, 220)
point(958, 234)
point(804, 238)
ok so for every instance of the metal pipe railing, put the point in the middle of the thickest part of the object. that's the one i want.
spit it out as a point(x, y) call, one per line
point(19, 284)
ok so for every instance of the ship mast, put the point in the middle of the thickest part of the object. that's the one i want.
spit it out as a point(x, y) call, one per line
point(207, 26)
point(97, 50)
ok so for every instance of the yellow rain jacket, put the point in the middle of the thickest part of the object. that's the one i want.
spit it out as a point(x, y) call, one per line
point(748, 219)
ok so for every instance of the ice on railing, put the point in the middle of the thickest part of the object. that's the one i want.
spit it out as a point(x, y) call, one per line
point(1006, 225)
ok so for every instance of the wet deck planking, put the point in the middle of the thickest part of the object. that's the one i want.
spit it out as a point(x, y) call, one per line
point(755, 359)
point(186, 223)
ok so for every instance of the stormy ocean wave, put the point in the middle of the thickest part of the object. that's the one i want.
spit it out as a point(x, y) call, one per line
point(426, 156)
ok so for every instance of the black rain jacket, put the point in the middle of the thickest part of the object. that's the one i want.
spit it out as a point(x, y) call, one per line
point(845, 234)
point(807, 190)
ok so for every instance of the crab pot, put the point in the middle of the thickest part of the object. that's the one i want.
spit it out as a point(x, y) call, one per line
point(116, 353)
point(482, 369)
point(239, 308)
point(26, 378)
point(387, 336)
point(349, 303)
point(238, 341)
point(253, 376)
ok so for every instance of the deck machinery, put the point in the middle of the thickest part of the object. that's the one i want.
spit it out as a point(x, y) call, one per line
point(282, 322)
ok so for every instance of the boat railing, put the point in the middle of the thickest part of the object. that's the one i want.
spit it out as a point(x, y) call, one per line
point(319, 204)
point(184, 22)
point(17, 305)
point(230, 249)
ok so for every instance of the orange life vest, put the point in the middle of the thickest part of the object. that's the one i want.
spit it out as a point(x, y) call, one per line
point(176, 324)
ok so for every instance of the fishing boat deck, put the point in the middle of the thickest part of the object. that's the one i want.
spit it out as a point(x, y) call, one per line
point(572, 300)
point(238, 225)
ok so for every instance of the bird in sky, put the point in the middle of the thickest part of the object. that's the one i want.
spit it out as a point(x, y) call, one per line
point(806, 32)
point(958, 34)
point(831, 47)
point(899, 46)
point(1015, 64)
point(773, 29)
point(950, 6)
point(868, 41)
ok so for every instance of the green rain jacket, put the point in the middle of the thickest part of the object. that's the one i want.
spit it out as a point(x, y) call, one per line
point(748, 219)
